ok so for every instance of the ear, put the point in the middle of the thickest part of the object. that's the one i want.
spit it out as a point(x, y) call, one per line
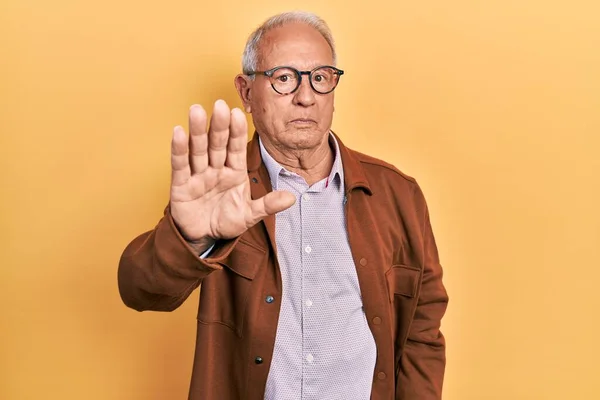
point(243, 85)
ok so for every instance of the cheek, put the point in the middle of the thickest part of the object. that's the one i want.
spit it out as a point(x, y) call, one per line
point(267, 112)
point(258, 105)
point(326, 109)
point(275, 109)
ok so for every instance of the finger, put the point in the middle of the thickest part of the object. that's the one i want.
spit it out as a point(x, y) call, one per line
point(238, 140)
point(198, 146)
point(218, 135)
point(270, 204)
point(180, 165)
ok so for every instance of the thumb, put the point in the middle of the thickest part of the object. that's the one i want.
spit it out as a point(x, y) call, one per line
point(270, 204)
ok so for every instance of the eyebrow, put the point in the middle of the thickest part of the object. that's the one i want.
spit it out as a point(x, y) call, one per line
point(310, 68)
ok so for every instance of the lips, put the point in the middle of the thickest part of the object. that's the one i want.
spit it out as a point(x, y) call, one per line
point(304, 121)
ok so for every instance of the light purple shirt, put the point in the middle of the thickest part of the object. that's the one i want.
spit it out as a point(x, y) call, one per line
point(324, 349)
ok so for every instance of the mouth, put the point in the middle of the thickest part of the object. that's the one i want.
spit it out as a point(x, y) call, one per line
point(303, 121)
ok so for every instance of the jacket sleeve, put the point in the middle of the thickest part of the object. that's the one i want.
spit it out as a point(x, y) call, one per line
point(158, 270)
point(423, 361)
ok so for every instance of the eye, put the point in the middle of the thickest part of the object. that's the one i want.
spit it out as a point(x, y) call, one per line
point(324, 75)
point(284, 76)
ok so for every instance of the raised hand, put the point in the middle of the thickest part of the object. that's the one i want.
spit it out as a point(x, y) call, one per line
point(210, 189)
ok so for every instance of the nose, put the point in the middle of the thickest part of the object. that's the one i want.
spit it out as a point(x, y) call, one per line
point(304, 95)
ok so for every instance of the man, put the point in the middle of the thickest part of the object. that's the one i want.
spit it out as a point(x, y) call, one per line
point(318, 268)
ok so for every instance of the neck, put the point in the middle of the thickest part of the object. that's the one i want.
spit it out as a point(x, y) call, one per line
point(312, 164)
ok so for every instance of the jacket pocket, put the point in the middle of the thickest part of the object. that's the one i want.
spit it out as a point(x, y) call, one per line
point(403, 281)
point(224, 293)
point(403, 288)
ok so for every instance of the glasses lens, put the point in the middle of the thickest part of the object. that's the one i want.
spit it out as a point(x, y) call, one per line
point(284, 80)
point(324, 79)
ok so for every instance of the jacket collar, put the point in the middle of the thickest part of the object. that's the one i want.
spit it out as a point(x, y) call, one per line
point(354, 174)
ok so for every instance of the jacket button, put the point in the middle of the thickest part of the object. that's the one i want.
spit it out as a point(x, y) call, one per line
point(381, 375)
point(363, 262)
point(254, 180)
point(269, 299)
point(377, 320)
point(258, 360)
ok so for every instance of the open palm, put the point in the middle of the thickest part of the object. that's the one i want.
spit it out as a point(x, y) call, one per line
point(210, 189)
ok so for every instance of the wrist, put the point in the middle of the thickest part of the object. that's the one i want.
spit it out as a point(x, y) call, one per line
point(201, 245)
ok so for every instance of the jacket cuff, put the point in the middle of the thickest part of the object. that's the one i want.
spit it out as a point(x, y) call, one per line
point(173, 249)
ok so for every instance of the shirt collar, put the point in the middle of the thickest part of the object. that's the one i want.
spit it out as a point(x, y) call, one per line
point(354, 173)
point(275, 170)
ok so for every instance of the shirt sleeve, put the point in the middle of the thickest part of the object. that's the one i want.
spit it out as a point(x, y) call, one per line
point(207, 252)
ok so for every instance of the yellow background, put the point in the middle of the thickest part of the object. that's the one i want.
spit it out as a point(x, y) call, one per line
point(493, 106)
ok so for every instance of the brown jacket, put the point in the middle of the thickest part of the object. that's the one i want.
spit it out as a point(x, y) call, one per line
point(396, 262)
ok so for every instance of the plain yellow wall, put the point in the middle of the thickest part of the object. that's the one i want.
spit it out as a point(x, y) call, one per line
point(494, 106)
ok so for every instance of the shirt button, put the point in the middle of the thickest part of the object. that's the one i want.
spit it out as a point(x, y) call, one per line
point(308, 249)
point(363, 262)
point(269, 299)
point(309, 358)
point(377, 320)
point(381, 375)
point(305, 197)
point(308, 303)
point(258, 360)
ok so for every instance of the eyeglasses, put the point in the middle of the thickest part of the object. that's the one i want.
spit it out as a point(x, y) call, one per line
point(286, 80)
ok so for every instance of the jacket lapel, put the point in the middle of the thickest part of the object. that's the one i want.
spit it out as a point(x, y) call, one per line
point(260, 184)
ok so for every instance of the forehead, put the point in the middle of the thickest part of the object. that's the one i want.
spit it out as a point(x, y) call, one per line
point(295, 44)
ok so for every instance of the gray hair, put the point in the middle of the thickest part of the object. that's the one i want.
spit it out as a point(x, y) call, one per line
point(250, 57)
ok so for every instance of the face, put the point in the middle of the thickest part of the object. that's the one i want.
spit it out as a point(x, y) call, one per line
point(300, 120)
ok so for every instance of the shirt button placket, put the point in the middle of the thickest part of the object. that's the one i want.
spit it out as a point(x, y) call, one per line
point(306, 249)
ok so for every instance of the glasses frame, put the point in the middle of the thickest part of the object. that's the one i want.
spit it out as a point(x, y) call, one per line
point(270, 72)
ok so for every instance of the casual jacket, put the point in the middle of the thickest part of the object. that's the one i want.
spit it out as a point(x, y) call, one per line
point(396, 262)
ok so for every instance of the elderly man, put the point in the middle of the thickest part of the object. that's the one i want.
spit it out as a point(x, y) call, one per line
point(318, 268)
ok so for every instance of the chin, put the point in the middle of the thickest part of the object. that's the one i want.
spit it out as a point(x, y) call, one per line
point(304, 138)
